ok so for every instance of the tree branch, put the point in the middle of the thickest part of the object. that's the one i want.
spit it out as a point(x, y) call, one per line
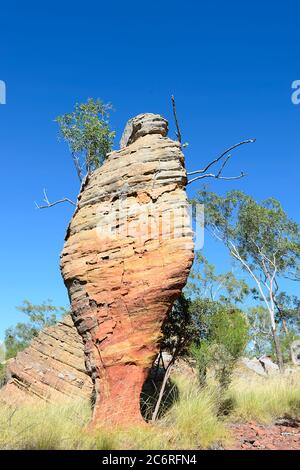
point(218, 175)
point(77, 166)
point(216, 160)
point(223, 165)
point(178, 133)
point(269, 305)
point(51, 204)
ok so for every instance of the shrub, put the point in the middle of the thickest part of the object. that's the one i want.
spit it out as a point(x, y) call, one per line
point(225, 341)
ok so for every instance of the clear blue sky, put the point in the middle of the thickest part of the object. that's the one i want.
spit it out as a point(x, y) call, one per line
point(230, 65)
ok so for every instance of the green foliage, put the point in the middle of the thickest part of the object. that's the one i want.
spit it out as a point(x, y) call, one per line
point(178, 330)
point(87, 132)
point(286, 340)
point(226, 336)
point(2, 375)
point(202, 311)
point(261, 334)
point(186, 324)
point(261, 238)
point(197, 320)
point(19, 337)
point(288, 311)
point(2, 353)
point(2, 365)
point(259, 331)
point(229, 327)
point(262, 233)
point(204, 282)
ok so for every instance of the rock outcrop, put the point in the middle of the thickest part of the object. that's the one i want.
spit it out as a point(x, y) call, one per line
point(295, 352)
point(263, 366)
point(52, 368)
point(127, 256)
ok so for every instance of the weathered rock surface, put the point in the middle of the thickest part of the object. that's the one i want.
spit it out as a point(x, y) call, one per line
point(295, 353)
point(142, 125)
point(51, 368)
point(268, 365)
point(254, 365)
point(263, 366)
point(127, 256)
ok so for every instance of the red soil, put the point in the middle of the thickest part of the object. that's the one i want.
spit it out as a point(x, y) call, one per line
point(284, 434)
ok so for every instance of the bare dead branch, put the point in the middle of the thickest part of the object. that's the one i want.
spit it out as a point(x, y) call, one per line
point(51, 204)
point(223, 164)
point(178, 133)
point(216, 160)
point(217, 176)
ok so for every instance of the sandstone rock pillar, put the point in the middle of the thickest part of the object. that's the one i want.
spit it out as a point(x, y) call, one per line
point(126, 258)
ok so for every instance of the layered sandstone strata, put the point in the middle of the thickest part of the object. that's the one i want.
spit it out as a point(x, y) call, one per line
point(127, 256)
point(52, 368)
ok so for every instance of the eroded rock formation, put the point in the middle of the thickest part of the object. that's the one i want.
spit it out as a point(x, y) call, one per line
point(52, 368)
point(127, 256)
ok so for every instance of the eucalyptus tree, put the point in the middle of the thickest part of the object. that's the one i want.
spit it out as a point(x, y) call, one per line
point(87, 132)
point(88, 135)
point(261, 237)
point(288, 311)
point(39, 316)
point(205, 283)
point(259, 330)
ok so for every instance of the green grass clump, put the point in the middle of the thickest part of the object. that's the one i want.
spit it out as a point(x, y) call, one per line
point(191, 423)
point(196, 419)
point(264, 399)
point(43, 426)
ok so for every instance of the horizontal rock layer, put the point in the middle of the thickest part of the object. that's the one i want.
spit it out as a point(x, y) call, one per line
point(52, 368)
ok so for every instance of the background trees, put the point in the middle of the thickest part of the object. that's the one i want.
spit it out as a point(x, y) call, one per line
point(19, 336)
point(205, 282)
point(261, 238)
point(2, 364)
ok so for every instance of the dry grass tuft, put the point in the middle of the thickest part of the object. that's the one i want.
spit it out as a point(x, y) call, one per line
point(264, 399)
point(193, 422)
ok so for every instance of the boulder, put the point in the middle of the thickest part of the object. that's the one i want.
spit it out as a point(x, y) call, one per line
point(127, 255)
point(269, 366)
point(254, 365)
point(263, 366)
point(295, 352)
